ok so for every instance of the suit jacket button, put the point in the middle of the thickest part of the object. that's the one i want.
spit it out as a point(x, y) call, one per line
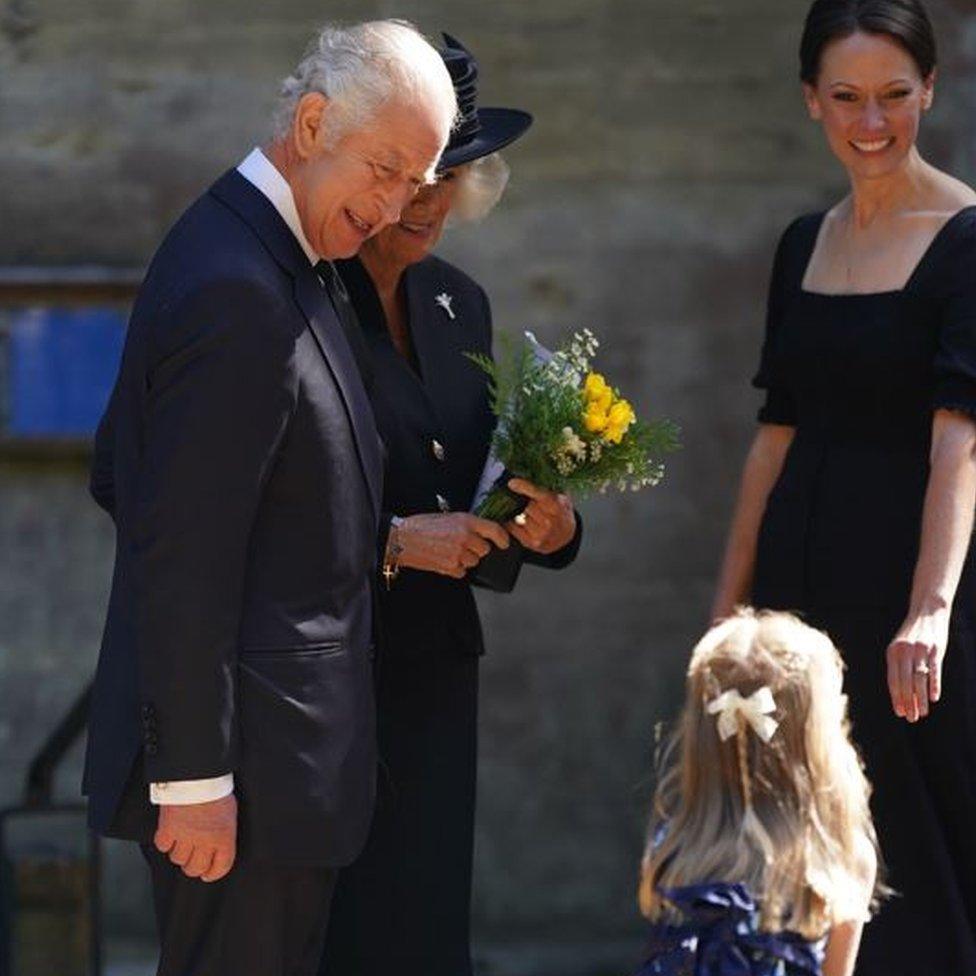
point(438, 449)
point(151, 748)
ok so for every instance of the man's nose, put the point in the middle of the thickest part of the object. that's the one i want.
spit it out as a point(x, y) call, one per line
point(394, 200)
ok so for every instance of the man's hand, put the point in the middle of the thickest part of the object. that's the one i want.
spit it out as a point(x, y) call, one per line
point(201, 838)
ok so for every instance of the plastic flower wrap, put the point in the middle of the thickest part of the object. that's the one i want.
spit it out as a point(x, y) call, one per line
point(563, 427)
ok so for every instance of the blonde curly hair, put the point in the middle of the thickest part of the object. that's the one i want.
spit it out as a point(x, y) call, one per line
point(789, 818)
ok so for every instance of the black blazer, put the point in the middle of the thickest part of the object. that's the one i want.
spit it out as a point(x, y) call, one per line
point(242, 466)
point(436, 425)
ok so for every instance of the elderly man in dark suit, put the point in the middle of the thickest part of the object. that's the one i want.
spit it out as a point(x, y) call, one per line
point(240, 461)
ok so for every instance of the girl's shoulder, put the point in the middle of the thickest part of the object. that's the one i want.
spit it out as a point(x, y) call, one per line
point(860, 894)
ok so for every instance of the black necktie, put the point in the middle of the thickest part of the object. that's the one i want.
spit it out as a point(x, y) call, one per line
point(346, 313)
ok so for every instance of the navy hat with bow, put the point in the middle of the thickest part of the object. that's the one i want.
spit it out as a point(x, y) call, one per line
point(480, 131)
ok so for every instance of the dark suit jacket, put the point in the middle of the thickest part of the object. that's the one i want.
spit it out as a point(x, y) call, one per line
point(242, 466)
point(436, 425)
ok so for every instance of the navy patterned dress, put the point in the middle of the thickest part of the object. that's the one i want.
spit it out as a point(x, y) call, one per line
point(716, 933)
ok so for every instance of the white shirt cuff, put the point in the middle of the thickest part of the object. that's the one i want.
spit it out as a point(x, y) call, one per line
point(182, 792)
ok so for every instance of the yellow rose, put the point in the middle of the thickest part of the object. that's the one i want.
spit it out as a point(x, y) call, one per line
point(595, 419)
point(620, 417)
point(597, 395)
point(594, 387)
point(622, 413)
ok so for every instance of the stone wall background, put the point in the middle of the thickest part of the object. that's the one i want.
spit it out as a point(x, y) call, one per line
point(670, 149)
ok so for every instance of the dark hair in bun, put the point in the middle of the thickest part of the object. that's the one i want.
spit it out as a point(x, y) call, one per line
point(904, 21)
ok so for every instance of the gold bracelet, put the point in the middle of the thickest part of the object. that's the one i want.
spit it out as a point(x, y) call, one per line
point(394, 549)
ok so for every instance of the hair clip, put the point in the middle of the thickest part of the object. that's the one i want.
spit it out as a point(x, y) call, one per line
point(755, 709)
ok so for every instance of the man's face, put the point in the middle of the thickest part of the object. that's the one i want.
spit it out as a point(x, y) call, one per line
point(347, 192)
point(419, 228)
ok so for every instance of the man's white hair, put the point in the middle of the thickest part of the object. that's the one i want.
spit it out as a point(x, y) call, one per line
point(481, 185)
point(360, 68)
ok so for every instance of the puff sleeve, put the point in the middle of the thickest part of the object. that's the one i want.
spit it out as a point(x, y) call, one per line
point(779, 406)
point(955, 356)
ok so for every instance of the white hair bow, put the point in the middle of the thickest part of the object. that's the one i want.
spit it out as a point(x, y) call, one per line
point(755, 710)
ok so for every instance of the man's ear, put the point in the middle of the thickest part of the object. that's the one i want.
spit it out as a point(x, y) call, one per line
point(813, 102)
point(310, 124)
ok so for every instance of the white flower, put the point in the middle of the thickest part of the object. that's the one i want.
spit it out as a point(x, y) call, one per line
point(573, 444)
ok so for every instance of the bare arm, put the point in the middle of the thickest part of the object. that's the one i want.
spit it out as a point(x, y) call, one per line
point(916, 654)
point(842, 946)
point(845, 937)
point(763, 465)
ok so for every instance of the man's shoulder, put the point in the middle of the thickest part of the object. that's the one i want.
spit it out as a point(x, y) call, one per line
point(212, 275)
point(209, 239)
point(210, 253)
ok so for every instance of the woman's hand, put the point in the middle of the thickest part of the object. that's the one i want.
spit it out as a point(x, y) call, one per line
point(549, 522)
point(449, 543)
point(915, 659)
point(915, 655)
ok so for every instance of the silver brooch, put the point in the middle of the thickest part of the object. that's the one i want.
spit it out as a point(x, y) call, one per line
point(444, 300)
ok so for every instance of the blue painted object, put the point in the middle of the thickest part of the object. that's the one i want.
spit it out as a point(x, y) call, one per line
point(62, 364)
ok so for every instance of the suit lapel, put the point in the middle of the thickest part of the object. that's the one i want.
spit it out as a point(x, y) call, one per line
point(313, 300)
point(438, 339)
point(323, 321)
point(250, 204)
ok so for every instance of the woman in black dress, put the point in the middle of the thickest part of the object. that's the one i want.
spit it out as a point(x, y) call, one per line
point(857, 497)
point(404, 906)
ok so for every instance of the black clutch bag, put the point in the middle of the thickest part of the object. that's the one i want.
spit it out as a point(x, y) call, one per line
point(499, 570)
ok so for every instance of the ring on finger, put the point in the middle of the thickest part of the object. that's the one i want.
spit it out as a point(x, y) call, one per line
point(922, 668)
point(521, 518)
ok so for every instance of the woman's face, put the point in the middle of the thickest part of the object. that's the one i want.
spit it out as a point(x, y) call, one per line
point(869, 98)
point(421, 222)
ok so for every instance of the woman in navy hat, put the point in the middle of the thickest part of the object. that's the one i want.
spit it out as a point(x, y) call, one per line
point(404, 905)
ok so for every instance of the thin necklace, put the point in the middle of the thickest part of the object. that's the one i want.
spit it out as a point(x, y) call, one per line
point(849, 256)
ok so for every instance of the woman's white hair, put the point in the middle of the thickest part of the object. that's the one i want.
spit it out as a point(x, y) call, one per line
point(360, 68)
point(480, 186)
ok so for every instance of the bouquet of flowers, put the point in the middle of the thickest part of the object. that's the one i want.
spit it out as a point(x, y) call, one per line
point(564, 428)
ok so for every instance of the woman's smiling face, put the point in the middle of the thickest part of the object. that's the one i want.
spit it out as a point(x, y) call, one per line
point(869, 96)
point(421, 222)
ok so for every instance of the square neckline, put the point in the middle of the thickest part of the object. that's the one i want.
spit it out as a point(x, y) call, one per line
point(930, 247)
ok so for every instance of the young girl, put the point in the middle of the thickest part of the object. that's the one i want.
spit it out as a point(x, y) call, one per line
point(762, 855)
